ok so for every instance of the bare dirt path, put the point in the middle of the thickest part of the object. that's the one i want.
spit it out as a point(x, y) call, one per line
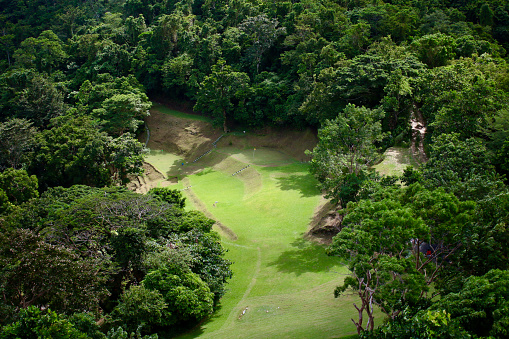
point(418, 132)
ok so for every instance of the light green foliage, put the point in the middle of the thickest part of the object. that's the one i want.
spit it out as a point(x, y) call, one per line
point(187, 296)
point(171, 196)
point(346, 149)
point(45, 53)
point(34, 323)
point(426, 324)
point(5, 205)
point(18, 185)
point(141, 308)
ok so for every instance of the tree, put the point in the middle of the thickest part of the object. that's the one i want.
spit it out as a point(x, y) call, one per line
point(375, 241)
point(262, 32)
point(346, 149)
point(462, 97)
point(187, 296)
point(486, 15)
point(41, 101)
point(45, 53)
point(362, 81)
point(222, 93)
point(481, 304)
point(124, 157)
point(434, 49)
point(427, 324)
point(18, 185)
point(34, 323)
point(171, 196)
point(122, 113)
point(34, 272)
point(74, 151)
point(398, 243)
point(461, 167)
point(17, 137)
point(140, 306)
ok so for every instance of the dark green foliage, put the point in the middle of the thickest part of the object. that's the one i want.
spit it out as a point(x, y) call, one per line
point(74, 151)
point(36, 272)
point(16, 141)
point(74, 69)
point(481, 305)
point(461, 167)
point(77, 249)
point(411, 176)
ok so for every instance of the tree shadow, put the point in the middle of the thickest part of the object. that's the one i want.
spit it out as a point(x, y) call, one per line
point(191, 329)
point(304, 183)
point(305, 257)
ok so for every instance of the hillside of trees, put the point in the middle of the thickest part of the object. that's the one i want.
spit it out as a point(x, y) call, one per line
point(429, 249)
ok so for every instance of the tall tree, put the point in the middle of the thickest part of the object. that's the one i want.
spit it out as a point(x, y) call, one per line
point(17, 137)
point(262, 32)
point(222, 93)
point(345, 150)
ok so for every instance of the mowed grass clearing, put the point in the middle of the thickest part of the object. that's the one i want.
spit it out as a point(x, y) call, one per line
point(282, 285)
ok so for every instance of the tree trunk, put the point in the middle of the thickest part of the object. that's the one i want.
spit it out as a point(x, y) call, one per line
point(225, 128)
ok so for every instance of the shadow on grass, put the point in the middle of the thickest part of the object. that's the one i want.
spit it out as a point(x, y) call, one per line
point(303, 258)
point(304, 183)
point(189, 332)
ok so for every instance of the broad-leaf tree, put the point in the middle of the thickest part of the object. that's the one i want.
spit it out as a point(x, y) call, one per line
point(346, 149)
point(222, 93)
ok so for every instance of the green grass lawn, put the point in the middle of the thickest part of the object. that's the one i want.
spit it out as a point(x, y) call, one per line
point(283, 283)
point(165, 162)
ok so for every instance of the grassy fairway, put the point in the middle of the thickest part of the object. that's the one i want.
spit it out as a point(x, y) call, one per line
point(282, 284)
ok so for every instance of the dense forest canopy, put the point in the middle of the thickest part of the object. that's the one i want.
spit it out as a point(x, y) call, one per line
point(75, 82)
